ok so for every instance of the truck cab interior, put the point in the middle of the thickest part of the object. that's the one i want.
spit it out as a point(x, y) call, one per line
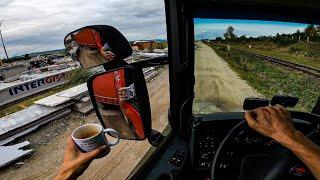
point(216, 145)
point(220, 145)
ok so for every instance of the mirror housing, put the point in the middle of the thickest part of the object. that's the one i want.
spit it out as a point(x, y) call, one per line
point(121, 101)
point(96, 45)
point(252, 103)
point(284, 100)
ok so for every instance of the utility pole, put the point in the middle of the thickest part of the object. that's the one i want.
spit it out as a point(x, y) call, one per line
point(4, 47)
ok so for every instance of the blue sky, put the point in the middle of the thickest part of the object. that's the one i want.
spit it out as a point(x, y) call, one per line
point(212, 28)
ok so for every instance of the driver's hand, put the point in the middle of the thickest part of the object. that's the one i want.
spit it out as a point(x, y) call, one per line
point(272, 121)
point(75, 162)
point(122, 94)
point(109, 55)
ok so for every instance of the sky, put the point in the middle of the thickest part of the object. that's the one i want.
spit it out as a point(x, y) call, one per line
point(212, 28)
point(40, 25)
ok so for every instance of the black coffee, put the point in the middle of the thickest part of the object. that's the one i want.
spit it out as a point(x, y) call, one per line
point(87, 133)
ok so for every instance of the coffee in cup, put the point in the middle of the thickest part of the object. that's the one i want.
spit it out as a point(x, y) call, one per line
point(91, 136)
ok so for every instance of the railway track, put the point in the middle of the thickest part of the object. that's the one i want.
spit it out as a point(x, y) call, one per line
point(305, 69)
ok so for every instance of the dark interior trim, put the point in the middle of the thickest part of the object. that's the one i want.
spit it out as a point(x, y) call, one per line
point(255, 10)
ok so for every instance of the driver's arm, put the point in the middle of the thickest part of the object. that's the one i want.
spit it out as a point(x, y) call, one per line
point(75, 162)
point(276, 122)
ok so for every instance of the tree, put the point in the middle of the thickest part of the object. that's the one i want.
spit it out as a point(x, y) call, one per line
point(318, 30)
point(242, 38)
point(218, 39)
point(229, 35)
point(310, 30)
point(27, 57)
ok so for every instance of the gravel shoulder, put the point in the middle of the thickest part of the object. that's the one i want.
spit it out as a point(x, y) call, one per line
point(49, 143)
point(218, 87)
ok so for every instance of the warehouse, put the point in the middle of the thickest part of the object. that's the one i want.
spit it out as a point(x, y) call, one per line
point(142, 45)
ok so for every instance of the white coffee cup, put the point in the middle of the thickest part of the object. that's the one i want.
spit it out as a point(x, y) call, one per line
point(91, 136)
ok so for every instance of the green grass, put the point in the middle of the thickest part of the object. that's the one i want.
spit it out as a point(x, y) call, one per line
point(75, 77)
point(307, 54)
point(299, 59)
point(269, 79)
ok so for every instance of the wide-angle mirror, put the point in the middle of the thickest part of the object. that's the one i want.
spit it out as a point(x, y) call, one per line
point(96, 45)
point(121, 101)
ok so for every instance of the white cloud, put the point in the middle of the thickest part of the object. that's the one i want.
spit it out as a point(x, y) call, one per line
point(248, 29)
point(37, 25)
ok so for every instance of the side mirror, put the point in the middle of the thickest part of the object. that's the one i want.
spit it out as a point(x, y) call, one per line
point(96, 45)
point(284, 100)
point(120, 99)
point(252, 103)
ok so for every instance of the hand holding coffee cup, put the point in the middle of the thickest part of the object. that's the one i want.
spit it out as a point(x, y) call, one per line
point(91, 136)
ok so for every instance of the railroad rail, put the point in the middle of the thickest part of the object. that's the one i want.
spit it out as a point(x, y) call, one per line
point(309, 70)
point(302, 68)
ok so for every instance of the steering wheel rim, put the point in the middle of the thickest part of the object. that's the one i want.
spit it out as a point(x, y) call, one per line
point(218, 151)
point(243, 124)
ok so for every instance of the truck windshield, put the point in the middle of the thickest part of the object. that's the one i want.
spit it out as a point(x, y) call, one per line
point(235, 59)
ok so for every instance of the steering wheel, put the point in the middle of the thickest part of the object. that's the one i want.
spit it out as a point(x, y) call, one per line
point(273, 165)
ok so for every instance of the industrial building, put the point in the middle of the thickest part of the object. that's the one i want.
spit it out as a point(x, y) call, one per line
point(142, 45)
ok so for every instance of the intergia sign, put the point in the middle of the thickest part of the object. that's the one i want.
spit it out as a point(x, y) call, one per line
point(32, 86)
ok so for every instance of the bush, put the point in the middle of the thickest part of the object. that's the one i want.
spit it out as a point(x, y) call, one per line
point(310, 49)
point(284, 41)
point(293, 50)
point(161, 45)
point(270, 79)
point(78, 76)
point(223, 48)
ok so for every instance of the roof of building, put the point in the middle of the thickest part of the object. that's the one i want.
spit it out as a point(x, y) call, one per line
point(142, 41)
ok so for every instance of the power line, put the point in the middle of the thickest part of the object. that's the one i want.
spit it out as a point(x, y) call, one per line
point(4, 47)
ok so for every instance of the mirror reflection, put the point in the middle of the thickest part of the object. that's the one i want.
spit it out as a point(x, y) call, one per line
point(118, 105)
point(86, 46)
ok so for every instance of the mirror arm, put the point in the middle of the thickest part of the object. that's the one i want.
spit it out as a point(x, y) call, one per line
point(155, 138)
point(156, 61)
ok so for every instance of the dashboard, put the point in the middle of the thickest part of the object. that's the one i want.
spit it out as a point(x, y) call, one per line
point(208, 131)
point(182, 158)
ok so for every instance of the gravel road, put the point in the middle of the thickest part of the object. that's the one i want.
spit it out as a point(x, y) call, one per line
point(218, 87)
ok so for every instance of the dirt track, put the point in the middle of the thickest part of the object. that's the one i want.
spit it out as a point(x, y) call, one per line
point(218, 87)
point(49, 143)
